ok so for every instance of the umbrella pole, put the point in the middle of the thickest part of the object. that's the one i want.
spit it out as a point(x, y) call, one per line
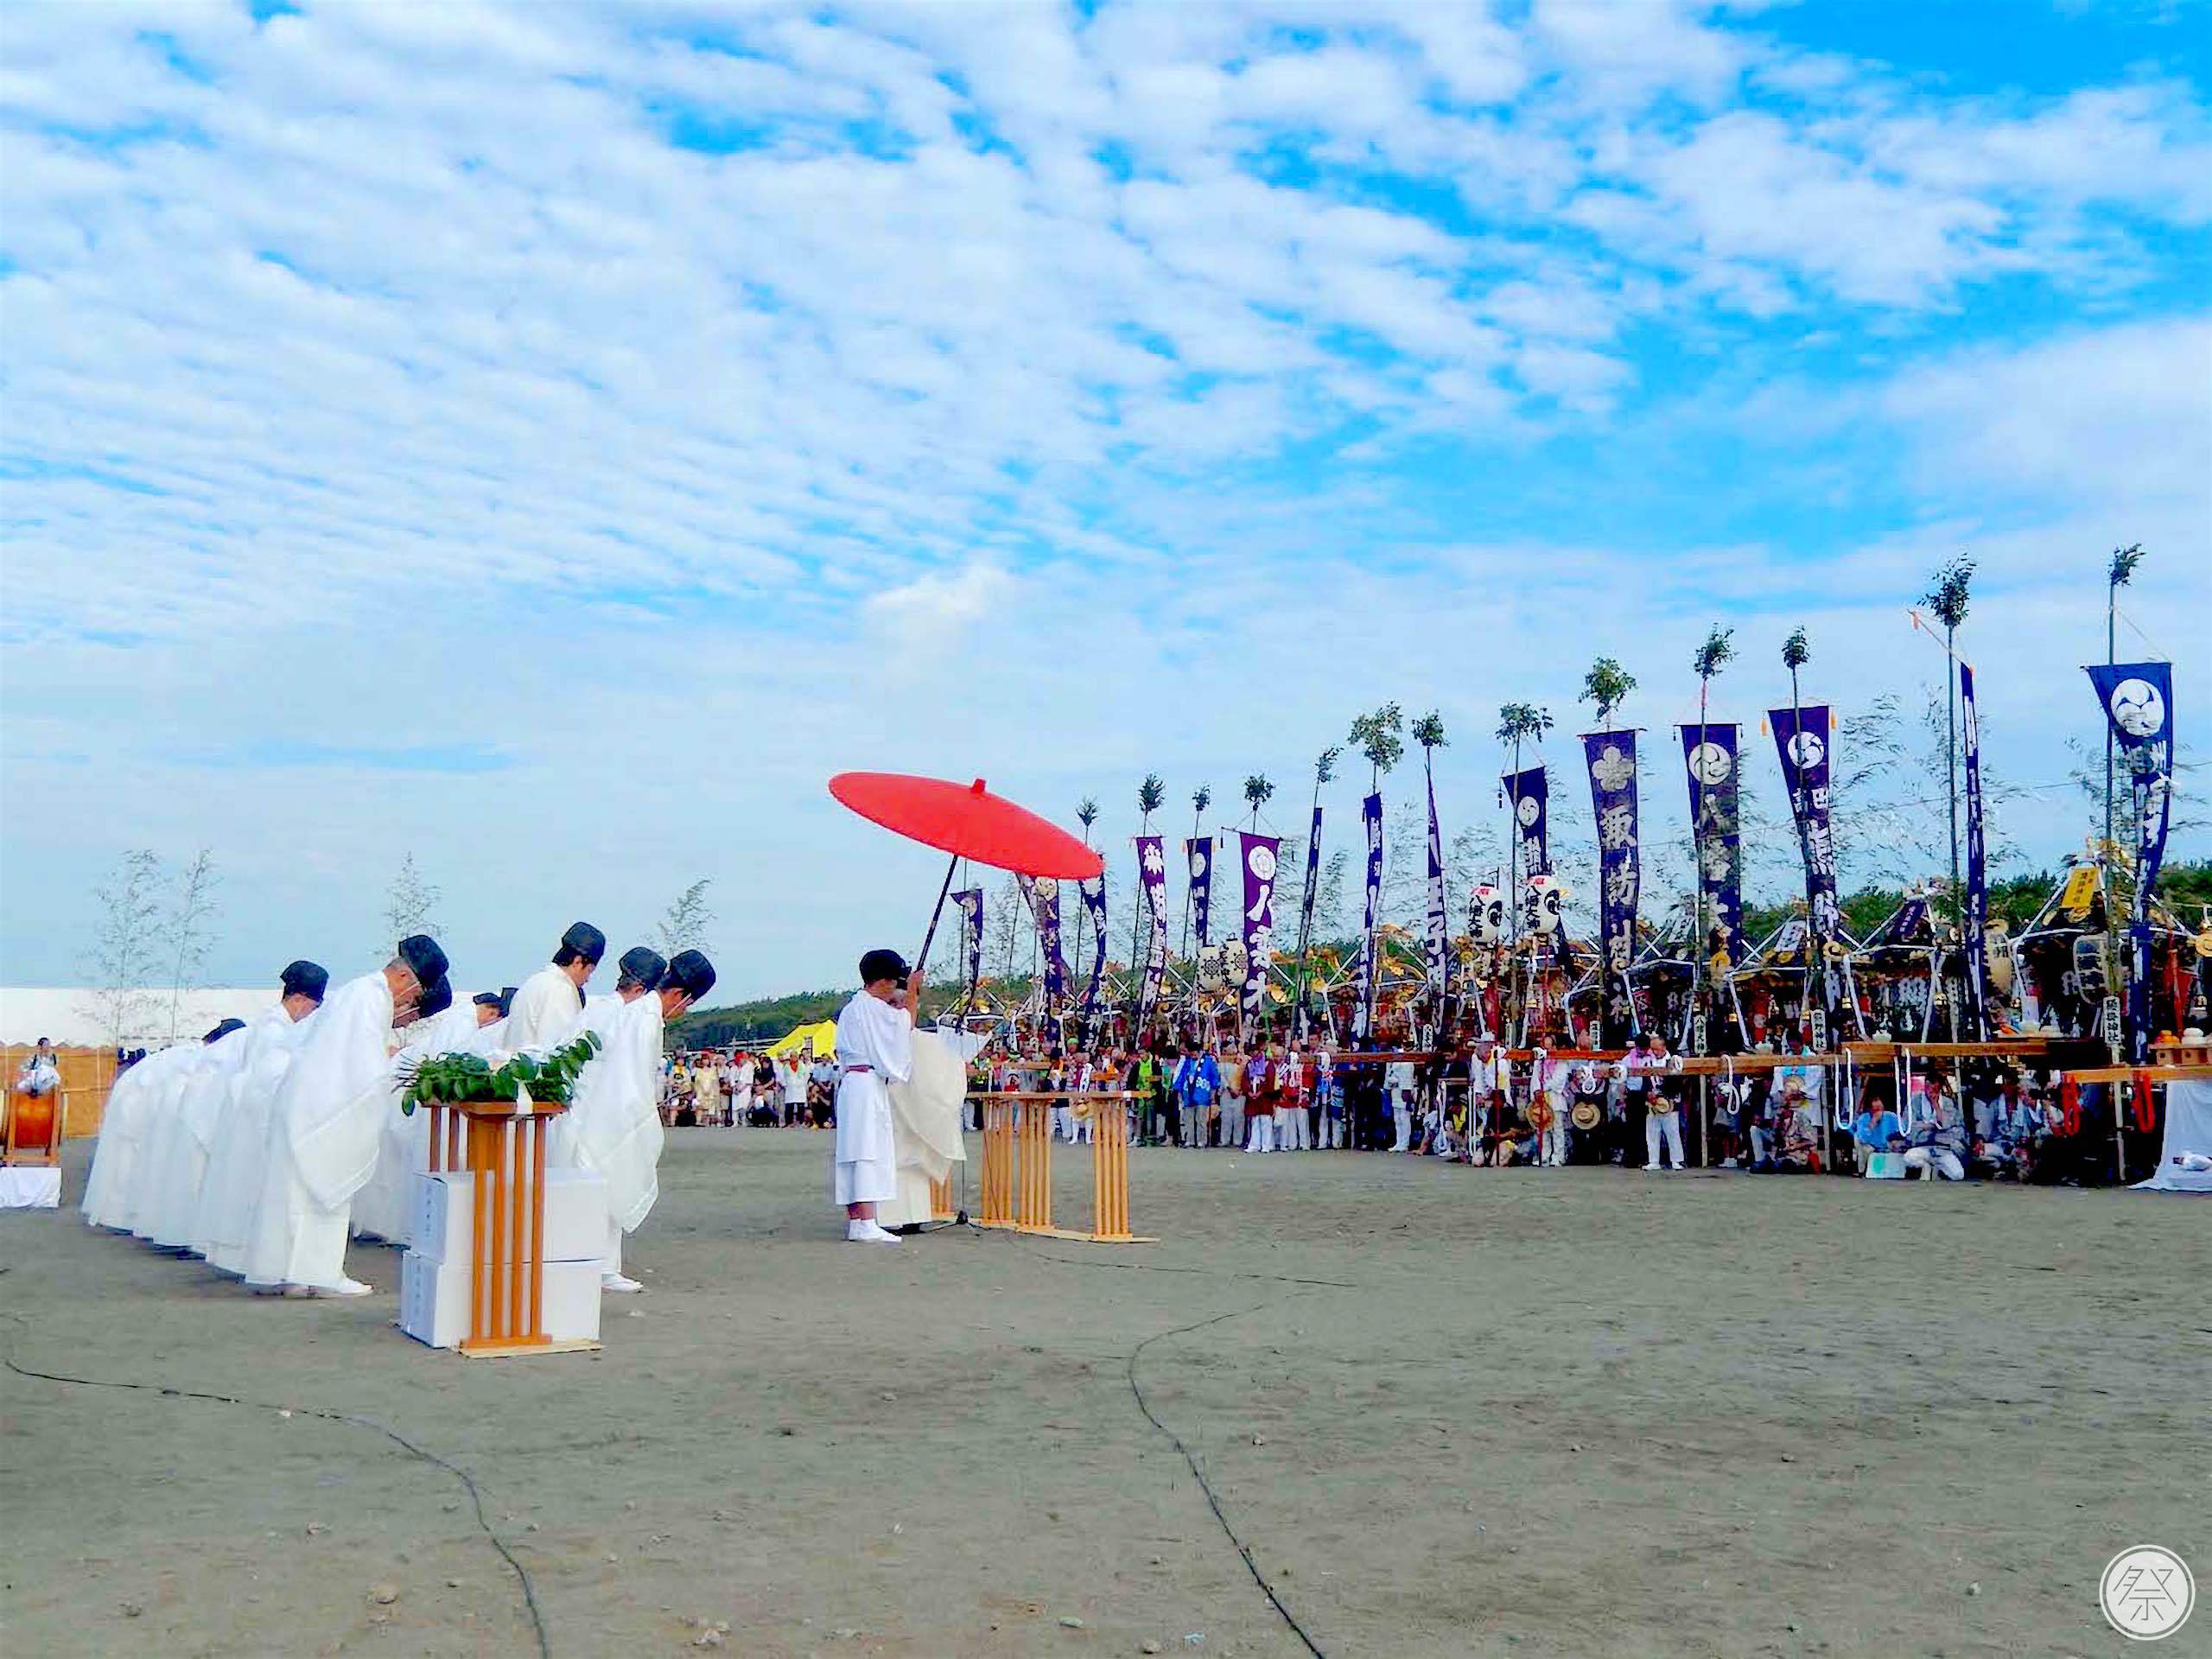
point(930, 938)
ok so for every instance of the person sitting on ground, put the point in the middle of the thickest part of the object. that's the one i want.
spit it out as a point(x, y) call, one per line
point(1877, 1129)
point(1937, 1141)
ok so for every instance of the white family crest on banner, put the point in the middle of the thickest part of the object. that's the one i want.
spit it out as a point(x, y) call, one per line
point(1806, 750)
point(2137, 708)
point(1712, 764)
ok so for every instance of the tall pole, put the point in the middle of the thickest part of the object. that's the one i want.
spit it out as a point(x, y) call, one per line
point(2111, 609)
point(1951, 777)
point(1815, 961)
point(1697, 886)
point(1305, 919)
point(1513, 886)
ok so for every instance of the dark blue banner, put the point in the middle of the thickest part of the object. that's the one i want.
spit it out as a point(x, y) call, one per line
point(2138, 699)
point(1710, 756)
point(1197, 853)
point(1528, 794)
point(1611, 757)
point(1801, 738)
point(1370, 814)
point(1975, 918)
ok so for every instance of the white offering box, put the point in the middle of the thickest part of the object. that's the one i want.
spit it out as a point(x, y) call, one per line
point(576, 1218)
point(434, 1296)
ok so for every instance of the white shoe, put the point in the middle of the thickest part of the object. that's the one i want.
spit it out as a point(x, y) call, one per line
point(1651, 1166)
point(867, 1232)
point(343, 1287)
point(616, 1282)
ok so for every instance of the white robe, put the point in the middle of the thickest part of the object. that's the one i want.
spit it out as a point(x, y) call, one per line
point(925, 1118)
point(238, 1154)
point(612, 1125)
point(548, 1011)
point(385, 1206)
point(871, 1033)
point(324, 1129)
point(170, 1216)
point(107, 1184)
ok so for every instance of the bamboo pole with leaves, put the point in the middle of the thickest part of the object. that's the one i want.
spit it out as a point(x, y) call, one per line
point(1948, 596)
point(1706, 662)
point(1607, 685)
point(2118, 574)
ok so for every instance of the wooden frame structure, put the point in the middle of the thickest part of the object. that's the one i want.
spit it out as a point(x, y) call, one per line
point(1018, 1164)
point(503, 1150)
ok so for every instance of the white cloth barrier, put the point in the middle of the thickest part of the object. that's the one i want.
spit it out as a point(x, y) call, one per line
point(2188, 1141)
point(31, 1186)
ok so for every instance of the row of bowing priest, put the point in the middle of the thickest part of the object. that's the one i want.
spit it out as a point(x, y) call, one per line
point(266, 1146)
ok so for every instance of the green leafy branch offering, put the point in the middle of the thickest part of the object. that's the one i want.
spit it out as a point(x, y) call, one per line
point(456, 1079)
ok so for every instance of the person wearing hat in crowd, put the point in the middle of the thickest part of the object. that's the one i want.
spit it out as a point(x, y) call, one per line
point(875, 1048)
point(325, 1123)
point(550, 1005)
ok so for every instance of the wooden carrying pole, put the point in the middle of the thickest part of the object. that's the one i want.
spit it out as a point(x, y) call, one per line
point(506, 1293)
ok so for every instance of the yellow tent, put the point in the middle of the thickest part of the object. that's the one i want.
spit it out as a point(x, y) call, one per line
point(822, 1038)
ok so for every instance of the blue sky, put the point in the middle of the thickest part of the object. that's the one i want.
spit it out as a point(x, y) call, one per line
point(549, 440)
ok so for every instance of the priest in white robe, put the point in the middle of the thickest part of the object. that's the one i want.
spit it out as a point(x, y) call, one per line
point(548, 1006)
point(237, 1153)
point(926, 1114)
point(165, 1219)
point(384, 1209)
point(325, 1128)
point(615, 1121)
point(132, 1104)
point(875, 1049)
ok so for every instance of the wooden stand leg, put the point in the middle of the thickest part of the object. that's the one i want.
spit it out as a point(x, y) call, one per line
point(1109, 1173)
point(941, 1200)
point(1036, 1211)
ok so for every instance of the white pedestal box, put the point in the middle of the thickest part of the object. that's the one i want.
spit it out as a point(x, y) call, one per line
point(575, 1217)
point(433, 1297)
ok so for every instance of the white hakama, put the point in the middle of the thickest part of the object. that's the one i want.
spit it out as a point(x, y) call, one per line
point(875, 1048)
point(613, 1126)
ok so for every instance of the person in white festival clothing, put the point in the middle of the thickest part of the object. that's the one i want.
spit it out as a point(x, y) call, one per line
point(875, 1048)
point(236, 1154)
point(1398, 1080)
point(614, 1126)
point(171, 1155)
point(1663, 1114)
point(41, 1073)
point(550, 1005)
point(325, 1126)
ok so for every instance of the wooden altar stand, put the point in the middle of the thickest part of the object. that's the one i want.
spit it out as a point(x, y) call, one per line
point(504, 1151)
point(1018, 1165)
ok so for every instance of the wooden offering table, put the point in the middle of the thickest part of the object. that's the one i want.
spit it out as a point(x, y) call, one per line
point(504, 1149)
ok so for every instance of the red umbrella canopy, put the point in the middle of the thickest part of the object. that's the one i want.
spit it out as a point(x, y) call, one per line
point(967, 820)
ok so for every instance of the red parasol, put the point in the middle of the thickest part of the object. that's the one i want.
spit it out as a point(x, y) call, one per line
point(967, 820)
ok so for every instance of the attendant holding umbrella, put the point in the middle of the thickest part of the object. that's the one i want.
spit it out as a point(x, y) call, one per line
point(875, 1049)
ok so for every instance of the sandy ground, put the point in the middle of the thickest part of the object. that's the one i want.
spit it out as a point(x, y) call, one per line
point(1448, 1411)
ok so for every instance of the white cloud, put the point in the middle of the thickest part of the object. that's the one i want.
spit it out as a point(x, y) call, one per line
point(391, 375)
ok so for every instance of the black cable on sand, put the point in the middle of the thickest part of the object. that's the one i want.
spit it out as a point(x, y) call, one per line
point(475, 1497)
point(1213, 1502)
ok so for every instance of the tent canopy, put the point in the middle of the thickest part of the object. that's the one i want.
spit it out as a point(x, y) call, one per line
point(820, 1038)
